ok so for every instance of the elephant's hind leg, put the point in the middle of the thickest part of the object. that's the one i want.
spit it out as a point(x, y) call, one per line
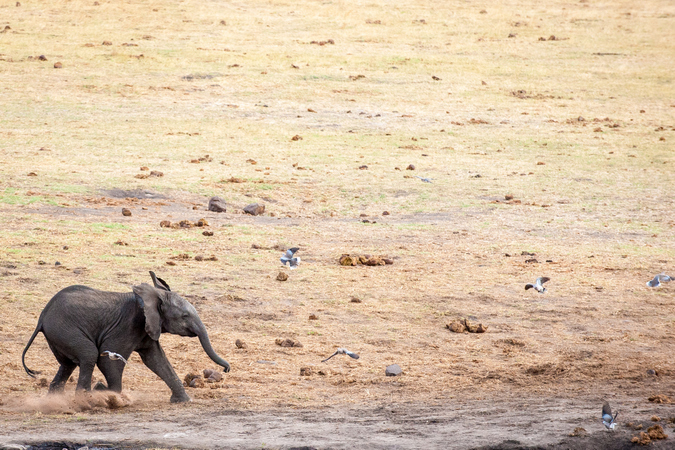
point(61, 377)
point(112, 371)
point(88, 358)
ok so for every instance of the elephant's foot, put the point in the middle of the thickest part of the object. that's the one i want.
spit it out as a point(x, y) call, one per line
point(180, 397)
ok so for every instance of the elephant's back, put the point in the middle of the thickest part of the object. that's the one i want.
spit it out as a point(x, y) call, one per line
point(78, 300)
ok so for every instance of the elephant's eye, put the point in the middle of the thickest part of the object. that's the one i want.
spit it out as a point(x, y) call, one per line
point(186, 315)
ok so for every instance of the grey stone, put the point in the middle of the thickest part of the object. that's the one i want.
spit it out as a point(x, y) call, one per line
point(254, 209)
point(217, 204)
point(393, 370)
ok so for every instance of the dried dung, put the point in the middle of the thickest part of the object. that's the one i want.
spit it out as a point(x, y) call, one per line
point(288, 342)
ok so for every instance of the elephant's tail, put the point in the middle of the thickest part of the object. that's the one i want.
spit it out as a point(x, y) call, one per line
point(31, 372)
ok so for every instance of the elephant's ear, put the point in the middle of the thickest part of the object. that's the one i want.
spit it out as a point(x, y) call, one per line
point(159, 283)
point(151, 301)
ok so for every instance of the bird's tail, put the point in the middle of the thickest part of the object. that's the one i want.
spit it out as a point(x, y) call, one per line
point(31, 372)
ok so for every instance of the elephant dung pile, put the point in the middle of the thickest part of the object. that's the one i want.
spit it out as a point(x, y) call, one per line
point(198, 381)
point(463, 325)
point(288, 342)
point(366, 260)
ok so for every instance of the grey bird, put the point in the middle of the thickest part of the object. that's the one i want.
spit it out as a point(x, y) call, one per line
point(342, 351)
point(607, 420)
point(288, 257)
point(114, 356)
point(538, 285)
point(658, 279)
point(426, 180)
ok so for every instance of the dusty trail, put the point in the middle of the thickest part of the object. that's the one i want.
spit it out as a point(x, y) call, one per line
point(524, 423)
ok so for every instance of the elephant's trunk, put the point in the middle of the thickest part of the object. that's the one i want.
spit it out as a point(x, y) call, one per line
point(206, 345)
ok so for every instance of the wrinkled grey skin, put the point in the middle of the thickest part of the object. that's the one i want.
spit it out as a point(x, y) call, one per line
point(80, 323)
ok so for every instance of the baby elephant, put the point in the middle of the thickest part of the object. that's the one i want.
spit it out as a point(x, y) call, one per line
point(86, 327)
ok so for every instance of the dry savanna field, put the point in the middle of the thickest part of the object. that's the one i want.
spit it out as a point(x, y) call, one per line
point(547, 130)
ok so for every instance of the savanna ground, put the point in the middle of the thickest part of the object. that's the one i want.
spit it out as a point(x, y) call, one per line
point(578, 127)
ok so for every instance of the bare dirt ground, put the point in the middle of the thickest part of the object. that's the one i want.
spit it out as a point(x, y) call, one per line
point(547, 132)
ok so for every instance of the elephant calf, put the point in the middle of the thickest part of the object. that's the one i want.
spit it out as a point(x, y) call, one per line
point(80, 323)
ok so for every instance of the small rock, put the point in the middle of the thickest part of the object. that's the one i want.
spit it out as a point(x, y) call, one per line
point(254, 209)
point(508, 197)
point(283, 276)
point(364, 167)
point(202, 223)
point(42, 58)
point(305, 371)
point(355, 300)
point(57, 263)
point(186, 224)
point(385, 213)
point(106, 43)
point(207, 233)
point(58, 65)
point(217, 204)
point(393, 370)
point(240, 344)
point(170, 263)
point(126, 212)
point(199, 258)
point(297, 137)
point(651, 372)
point(165, 224)
point(313, 317)
point(655, 418)
point(388, 261)
point(410, 167)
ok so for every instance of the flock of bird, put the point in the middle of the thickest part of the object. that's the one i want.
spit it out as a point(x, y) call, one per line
point(607, 419)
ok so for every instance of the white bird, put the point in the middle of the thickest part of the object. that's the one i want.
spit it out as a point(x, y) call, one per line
point(607, 420)
point(114, 356)
point(538, 285)
point(288, 257)
point(658, 279)
point(342, 351)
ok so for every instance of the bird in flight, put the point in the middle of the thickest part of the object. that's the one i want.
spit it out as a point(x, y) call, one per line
point(342, 351)
point(288, 257)
point(658, 279)
point(426, 180)
point(114, 356)
point(538, 285)
point(607, 420)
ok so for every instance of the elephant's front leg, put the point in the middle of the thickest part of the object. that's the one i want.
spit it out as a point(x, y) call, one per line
point(155, 359)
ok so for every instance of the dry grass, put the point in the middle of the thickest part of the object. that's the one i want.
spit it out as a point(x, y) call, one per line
point(598, 204)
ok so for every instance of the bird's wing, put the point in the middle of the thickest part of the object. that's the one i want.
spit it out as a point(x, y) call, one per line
point(542, 280)
point(654, 282)
point(663, 278)
point(294, 262)
point(284, 260)
point(289, 254)
point(529, 286)
point(330, 357)
point(353, 355)
point(606, 411)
